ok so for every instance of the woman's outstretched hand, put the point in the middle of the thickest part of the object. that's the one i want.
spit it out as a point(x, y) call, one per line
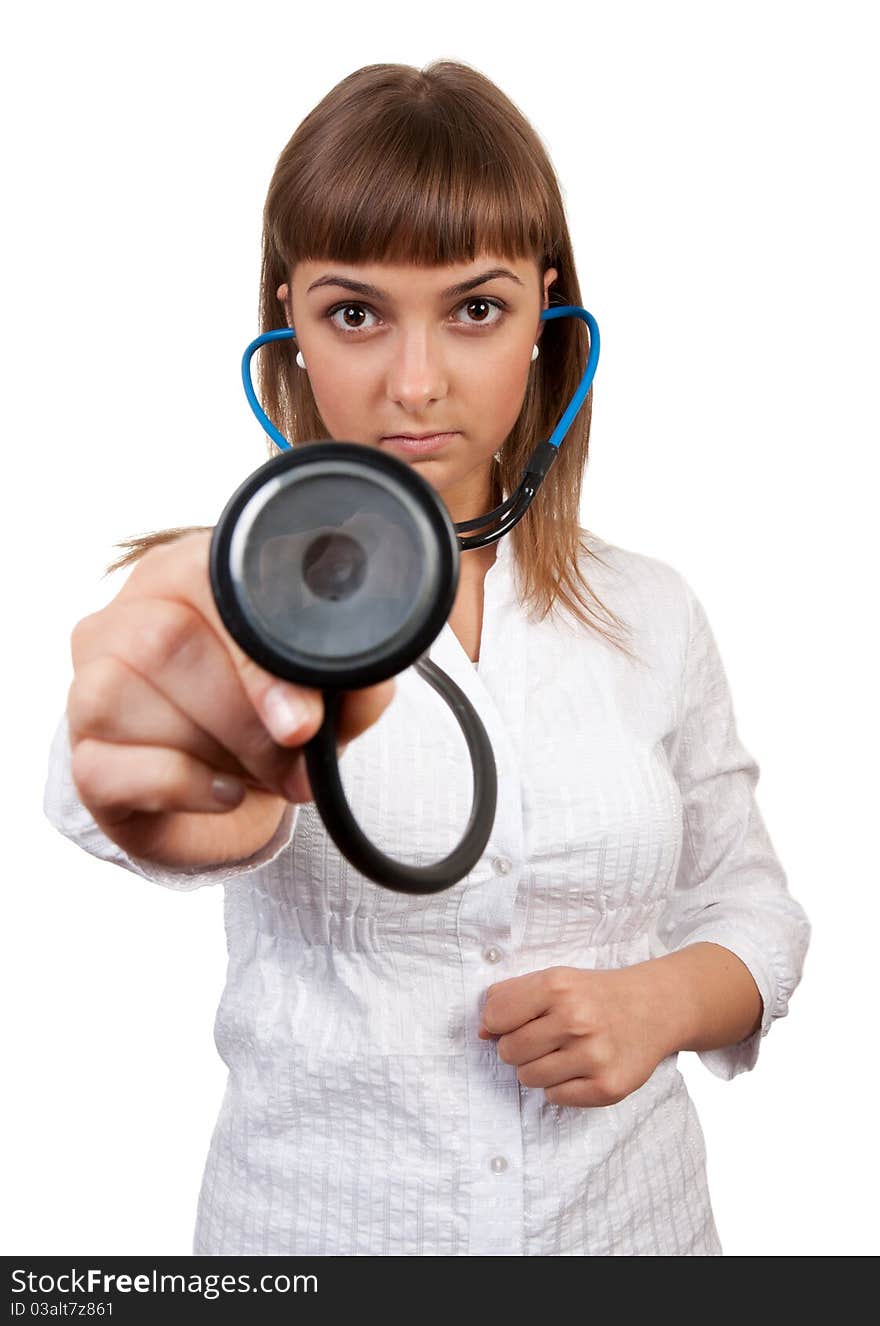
point(587, 1037)
point(184, 751)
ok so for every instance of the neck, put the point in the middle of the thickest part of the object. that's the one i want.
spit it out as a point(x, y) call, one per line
point(468, 500)
point(470, 497)
point(476, 562)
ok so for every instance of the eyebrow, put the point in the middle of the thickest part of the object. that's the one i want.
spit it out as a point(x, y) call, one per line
point(462, 288)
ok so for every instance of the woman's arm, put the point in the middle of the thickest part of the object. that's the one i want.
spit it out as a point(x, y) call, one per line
point(708, 996)
point(734, 937)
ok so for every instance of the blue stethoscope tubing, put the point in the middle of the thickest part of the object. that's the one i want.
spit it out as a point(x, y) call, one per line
point(321, 755)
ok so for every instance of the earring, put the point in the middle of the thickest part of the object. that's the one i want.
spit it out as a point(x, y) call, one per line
point(535, 351)
point(299, 359)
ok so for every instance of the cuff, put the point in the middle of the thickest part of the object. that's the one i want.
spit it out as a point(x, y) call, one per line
point(187, 878)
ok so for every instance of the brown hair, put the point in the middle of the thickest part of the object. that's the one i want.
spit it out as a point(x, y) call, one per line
point(435, 166)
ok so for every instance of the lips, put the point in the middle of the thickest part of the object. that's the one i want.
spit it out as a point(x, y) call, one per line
point(418, 445)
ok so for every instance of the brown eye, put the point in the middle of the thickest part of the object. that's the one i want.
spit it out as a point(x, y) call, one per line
point(352, 315)
point(482, 308)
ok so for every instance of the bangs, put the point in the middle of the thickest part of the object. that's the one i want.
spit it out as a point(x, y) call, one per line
point(430, 186)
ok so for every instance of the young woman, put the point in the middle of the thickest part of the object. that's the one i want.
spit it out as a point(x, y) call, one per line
point(491, 1069)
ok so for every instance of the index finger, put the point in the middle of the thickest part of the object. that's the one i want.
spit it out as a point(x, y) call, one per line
point(511, 1003)
point(179, 570)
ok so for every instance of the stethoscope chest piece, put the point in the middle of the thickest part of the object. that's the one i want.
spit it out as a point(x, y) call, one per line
point(335, 565)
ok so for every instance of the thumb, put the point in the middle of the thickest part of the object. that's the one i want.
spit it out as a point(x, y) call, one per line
point(360, 709)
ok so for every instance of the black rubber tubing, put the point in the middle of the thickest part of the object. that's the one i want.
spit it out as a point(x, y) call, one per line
point(326, 783)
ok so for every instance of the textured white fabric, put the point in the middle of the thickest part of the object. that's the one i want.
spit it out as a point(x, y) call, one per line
point(363, 1115)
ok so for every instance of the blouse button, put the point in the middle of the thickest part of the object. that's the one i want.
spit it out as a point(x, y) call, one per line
point(498, 1164)
point(501, 865)
point(492, 954)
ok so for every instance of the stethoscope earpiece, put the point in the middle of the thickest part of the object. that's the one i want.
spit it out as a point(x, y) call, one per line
point(335, 566)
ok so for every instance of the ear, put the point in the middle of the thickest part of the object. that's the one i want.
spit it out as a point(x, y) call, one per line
point(283, 294)
point(549, 277)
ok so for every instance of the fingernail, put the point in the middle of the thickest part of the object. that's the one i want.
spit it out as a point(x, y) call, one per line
point(228, 791)
point(284, 713)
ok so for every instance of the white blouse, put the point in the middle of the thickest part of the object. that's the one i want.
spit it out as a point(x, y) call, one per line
point(363, 1115)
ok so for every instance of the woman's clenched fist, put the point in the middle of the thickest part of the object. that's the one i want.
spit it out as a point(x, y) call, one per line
point(184, 750)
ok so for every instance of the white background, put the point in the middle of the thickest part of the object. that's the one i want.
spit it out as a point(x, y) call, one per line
point(718, 164)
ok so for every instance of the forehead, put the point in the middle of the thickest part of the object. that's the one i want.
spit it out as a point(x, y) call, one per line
point(411, 280)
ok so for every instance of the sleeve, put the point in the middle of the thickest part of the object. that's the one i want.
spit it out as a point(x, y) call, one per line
point(730, 888)
point(64, 810)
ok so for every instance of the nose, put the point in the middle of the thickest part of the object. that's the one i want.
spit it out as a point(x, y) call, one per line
point(417, 371)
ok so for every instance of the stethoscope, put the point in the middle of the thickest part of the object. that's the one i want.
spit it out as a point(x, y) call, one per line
point(335, 566)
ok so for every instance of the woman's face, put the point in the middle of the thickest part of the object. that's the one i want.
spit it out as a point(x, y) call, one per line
point(398, 349)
